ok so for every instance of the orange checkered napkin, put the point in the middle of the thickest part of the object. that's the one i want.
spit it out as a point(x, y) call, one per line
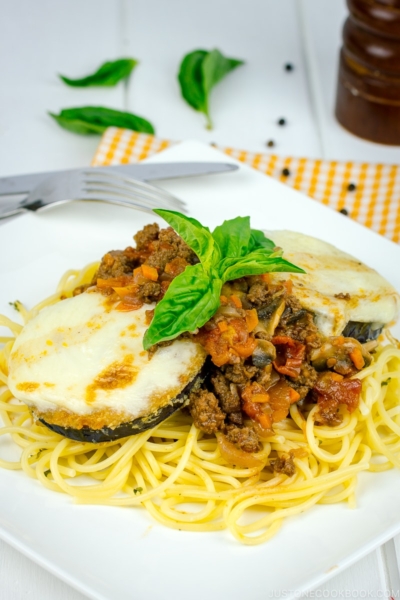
point(370, 193)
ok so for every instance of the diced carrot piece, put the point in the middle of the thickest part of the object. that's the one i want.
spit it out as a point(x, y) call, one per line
point(339, 341)
point(294, 396)
point(265, 421)
point(138, 271)
point(251, 319)
point(126, 307)
point(289, 286)
point(128, 290)
point(150, 272)
point(223, 299)
point(114, 282)
point(246, 349)
point(357, 358)
point(261, 398)
point(336, 377)
point(223, 326)
point(236, 301)
point(266, 278)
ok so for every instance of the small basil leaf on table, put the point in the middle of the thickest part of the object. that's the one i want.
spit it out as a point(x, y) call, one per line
point(197, 237)
point(190, 301)
point(95, 120)
point(191, 80)
point(108, 74)
point(199, 72)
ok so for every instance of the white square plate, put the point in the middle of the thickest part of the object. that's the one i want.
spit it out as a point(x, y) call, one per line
point(114, 553)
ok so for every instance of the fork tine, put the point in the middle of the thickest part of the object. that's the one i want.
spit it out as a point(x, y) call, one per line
point(121, 190)
point(128, 196)
point(129, 185)
point(115, 199)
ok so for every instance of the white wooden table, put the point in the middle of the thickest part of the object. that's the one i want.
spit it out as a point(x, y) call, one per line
point(42, 38)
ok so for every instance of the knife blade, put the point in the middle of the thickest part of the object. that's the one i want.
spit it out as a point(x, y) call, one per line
point(23, 184)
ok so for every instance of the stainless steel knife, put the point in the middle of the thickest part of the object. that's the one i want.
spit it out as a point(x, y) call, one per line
point(23, 184)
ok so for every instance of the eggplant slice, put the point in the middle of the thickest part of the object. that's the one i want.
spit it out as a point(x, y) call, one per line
point(81, 368)
point(106, 434)
point(363, 332)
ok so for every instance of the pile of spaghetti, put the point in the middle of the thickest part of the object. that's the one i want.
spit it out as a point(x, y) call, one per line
point(178, 473)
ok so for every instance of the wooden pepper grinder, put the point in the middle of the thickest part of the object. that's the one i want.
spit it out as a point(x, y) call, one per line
point(368, 92)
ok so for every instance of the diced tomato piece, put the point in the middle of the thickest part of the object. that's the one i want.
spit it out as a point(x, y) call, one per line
point(290, 355)
point(255, 412)
point(281, 396)
point(332, 392)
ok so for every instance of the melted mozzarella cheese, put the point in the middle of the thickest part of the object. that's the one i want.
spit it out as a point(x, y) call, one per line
point(337, 287)
point(83, 356)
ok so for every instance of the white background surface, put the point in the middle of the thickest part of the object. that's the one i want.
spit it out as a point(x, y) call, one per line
point(39, 39)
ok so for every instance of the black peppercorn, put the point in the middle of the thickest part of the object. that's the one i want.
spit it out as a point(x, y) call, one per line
point(351, 187)
point(289, 67)
point(285, 172)
point(270, 143)
point(344, 211)
point(282, 122)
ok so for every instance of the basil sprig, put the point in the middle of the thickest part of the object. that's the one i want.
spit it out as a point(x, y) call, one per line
point(231, 251)
point(199, 72)
point(108, 74)
point(95, 120)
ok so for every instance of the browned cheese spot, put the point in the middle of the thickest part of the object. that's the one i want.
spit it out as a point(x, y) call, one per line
point(27, 386)
point(119, 374)
point(132, 330)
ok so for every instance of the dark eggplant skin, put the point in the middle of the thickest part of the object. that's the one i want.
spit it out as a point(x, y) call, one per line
point(106, 434)
point(363, 332)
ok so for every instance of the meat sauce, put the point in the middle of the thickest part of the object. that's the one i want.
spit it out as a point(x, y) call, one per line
point(265, 351)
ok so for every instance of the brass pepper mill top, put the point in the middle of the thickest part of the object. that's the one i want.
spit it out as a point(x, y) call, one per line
point(368, 91)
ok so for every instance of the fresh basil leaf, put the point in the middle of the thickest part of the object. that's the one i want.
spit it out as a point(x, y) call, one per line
point(191, 79)
point(257, 263)
point(78, 125)
point(214, 68)
point(199, 72)
point(233, 236)
point(109, 74)
point(190, 301)
point(95, 120)
point(259, 240)
point(195, 235)
point(194, 296)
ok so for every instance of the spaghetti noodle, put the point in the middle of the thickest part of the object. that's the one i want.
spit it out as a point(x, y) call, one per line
point(177, 472)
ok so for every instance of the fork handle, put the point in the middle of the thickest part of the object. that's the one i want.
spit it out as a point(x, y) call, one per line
point(8, 208)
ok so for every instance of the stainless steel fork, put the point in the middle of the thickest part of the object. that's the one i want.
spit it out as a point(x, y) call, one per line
point(94, 184)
